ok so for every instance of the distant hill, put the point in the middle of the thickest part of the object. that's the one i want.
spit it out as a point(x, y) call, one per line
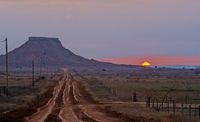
point(47, 52)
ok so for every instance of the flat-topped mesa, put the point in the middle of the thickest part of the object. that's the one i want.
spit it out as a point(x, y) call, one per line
point(45, 51)
point(43, 43)
point(44, 39)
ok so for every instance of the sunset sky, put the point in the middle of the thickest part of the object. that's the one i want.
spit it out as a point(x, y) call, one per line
point(166, 32)
point(156, 60)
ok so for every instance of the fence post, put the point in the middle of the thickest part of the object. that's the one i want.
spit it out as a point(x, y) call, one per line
point(162, 106)
point(190, 110)
point(157, 106)
point(148, 102)
point(153, 101)
point(199, 111)
point(186, 99)
point(168, 102)
point(170, 99)
point(182, 108)
point(4, 90)
point(134, 97)
point(195, 110)
point(114, 93)
point(174, 106)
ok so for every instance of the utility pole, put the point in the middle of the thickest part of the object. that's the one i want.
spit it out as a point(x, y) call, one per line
point(40, 66)
point(33, 73)
point(7, 65)
point(6, 40)
point(47, 66)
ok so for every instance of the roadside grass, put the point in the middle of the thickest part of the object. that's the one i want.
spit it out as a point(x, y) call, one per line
point(20, 96)
point(117, 88)
point(121, 84)
point(137, 113)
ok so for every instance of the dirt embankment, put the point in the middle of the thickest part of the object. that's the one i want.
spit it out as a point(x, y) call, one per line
point(18, 114)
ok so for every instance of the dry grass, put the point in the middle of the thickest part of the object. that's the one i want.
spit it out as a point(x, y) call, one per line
point(124, 83)
point(138, 113)
point(119, 84)
point(21, 94)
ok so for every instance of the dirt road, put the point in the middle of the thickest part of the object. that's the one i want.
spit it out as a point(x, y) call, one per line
point(71, 103)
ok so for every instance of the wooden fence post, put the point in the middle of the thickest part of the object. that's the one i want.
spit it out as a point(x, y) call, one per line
point(134, 97)
point(195, 111)
point(4, 90)
point(148, 104)
point(186, 107)
point(186, 99)
point(174, 106)
point(170, 99)
point(153, 101)
point(182, 108)
point(157, 106)
point(190, 110)
point(168, 106)
point(199, 111)
point(114, 93)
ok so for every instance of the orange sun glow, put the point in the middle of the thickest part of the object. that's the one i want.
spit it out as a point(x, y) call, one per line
point(146, 64)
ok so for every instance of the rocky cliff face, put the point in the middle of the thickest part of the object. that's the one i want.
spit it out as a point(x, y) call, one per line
point(46, 52)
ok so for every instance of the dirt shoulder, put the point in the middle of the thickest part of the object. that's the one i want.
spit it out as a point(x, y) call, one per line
point(36, 97)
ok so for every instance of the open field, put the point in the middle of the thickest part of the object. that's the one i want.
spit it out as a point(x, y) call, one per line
point(21, 92)
point(121, 84)
point(111, 95)
point(119, 87)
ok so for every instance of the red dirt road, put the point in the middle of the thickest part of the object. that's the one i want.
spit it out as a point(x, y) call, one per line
point(70, 103)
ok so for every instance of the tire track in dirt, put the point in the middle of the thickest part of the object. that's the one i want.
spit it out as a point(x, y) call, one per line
point(44, 111)
point(53, 117)
point(83, 116)
point(66, 113)
point(82, 105)
point(71, 103)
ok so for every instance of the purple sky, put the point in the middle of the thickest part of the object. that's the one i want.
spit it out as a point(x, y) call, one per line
point(106, 28)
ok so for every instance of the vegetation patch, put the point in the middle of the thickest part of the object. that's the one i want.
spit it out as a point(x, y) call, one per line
point(18, 114)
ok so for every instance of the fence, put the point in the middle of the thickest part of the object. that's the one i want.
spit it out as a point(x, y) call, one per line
point(2, 90)
point(167, 104)
point(171, 106)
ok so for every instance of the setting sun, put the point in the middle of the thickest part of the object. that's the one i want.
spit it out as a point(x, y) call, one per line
point(146, 64)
